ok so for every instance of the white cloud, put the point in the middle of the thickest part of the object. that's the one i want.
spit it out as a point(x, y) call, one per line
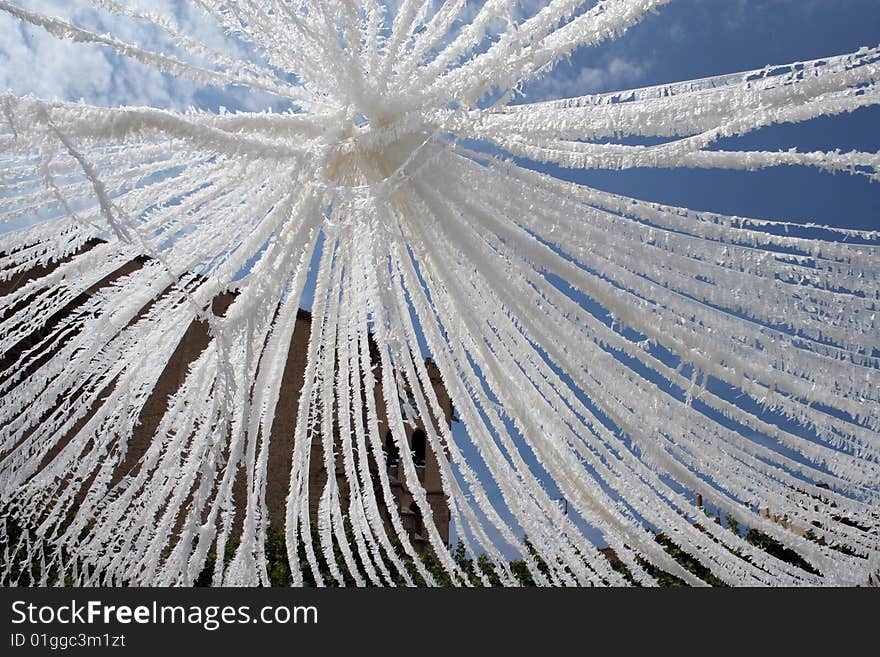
point(32, 61)
point(617, 73)
point(736, 13)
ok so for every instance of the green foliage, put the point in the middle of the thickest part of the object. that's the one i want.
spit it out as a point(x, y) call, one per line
point(28, 572)
point(22, 570)
point(733, 524)
point(773, 547)
point(686, 561)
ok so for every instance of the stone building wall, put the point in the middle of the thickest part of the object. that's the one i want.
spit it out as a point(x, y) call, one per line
point(281, 444)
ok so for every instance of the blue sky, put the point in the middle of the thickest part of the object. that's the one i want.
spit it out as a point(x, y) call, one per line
point(697, 38)
point(687, 39)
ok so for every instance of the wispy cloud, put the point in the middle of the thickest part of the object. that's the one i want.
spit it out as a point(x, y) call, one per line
point(735, 13)
point(32, 61)
point(616, 73)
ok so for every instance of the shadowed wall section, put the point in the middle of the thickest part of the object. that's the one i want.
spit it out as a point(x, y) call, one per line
point(281, 445)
